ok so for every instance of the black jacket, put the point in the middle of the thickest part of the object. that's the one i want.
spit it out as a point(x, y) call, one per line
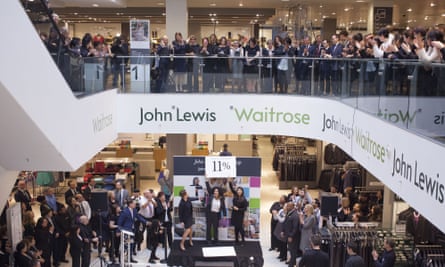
point(24, 197)
point(387, 259)
point(355, 261)
point(314, 258)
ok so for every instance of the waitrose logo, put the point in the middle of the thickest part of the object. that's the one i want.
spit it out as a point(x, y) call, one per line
point(269, 114)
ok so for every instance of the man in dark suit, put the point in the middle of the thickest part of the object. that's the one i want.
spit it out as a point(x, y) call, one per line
point(90, 187)
point(71, 192)
point(291, 231)
point(22, 195)
point(306, 51)
point(335, 51)
point(127, 220)
point(121, 195)
point(88, 237)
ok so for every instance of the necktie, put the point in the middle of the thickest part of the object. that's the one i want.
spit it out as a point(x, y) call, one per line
point(122, 199)
point(82, 210)
point(150, 208)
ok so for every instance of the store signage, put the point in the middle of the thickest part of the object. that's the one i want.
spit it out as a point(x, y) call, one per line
point(406, 163)
point(411, 171)
point(101, 122)
point(424, 114)
point(333, 123)
point(220, 167)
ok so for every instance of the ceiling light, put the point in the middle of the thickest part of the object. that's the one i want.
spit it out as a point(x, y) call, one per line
point(333, 13)
point(315, 19)
point(359, 1)
point(95, 5)
point(409, 9)
point(212, 4)
point(240, 4)
point(163, 14)
point(160, 3)
point(257, 15)
point(75, 13)
point(346, 9)
point(285, 0)
point(443, 15)
point(432, 4)
point(321, 6)
point(90, 18)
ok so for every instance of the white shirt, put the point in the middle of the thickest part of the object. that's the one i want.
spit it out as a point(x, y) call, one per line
point(85, 207)
point(216, 205)
point(149, 211)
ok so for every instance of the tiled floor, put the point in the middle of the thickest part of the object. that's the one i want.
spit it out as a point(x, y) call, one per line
point(269, 194)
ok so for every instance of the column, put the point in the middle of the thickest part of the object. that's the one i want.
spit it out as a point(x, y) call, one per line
point(176, 146)
point(176, 18)
point(380, 14)
point(388, 210)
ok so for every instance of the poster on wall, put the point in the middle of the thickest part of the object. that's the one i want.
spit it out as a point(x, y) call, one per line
point(139, 34)
point(189, 175)
point(140, 51)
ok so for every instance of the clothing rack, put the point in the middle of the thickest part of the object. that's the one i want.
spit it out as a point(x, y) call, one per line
point(366, 239)
point(429, 256)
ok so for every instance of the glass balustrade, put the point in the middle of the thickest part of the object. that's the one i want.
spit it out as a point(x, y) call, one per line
point(407, 93)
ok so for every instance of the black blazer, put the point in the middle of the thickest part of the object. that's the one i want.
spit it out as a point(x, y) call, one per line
point(24, 197)
point(160, 212)
point(221, 209)
point(69, 194)
point(21, 260)
point(76, 245)
point(291, 227)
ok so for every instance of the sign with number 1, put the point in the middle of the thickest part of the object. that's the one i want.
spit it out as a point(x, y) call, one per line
point(220, 167)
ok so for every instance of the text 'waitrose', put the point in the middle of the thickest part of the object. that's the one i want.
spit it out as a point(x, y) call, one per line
point(270, 115)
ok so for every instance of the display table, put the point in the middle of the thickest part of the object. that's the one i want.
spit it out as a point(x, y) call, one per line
point(193, 256)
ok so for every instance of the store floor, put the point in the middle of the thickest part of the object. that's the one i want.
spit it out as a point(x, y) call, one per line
point(269, 194)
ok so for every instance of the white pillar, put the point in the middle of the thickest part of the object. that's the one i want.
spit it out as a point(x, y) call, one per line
point(176, 18)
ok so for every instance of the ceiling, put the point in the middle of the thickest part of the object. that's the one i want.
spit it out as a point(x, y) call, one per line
point(237, 12)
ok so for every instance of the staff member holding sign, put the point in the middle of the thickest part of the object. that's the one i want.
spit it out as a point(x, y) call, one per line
point(240, 205)
point(215, 207)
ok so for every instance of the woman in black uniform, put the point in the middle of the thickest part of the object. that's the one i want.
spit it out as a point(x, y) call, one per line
point(215, 207)
point(185, 211)
point(76, 245)
point(240, 205)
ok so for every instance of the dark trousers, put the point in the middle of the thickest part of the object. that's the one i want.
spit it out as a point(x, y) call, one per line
point(212, 222)
point(239, 229)
point(293, 249)
point(86, 256)
point(273, 240)
point(282, 248)
point(152, 239)
point(75, 258)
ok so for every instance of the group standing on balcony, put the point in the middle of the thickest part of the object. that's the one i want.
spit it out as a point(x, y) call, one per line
point(396, 62)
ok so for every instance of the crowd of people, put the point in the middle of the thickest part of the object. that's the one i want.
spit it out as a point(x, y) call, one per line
point(282, 64)
point(296, 220)
point(74, 226)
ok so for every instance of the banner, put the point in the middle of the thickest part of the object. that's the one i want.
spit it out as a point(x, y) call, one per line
point(189, 175)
